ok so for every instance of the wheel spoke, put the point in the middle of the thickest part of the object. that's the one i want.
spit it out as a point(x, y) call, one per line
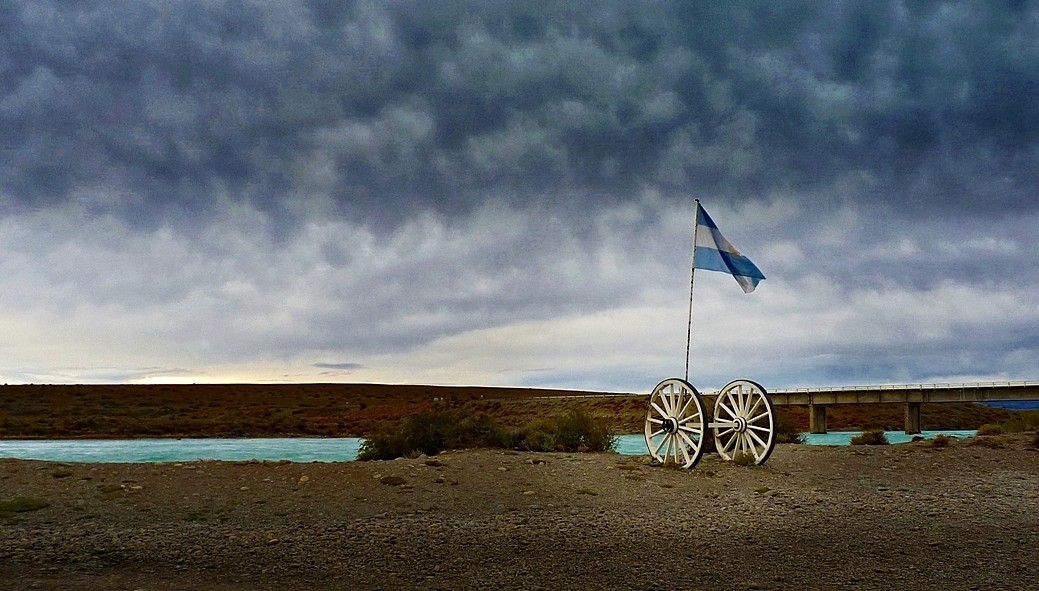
point(693, 417)
point(731, 441)
point(654, 406)
point(730, 411)
point(735, 405)
point(758, 418)
point(655, 421)
point(689, 442)
point(754, 450)
point(757, 403)
point(655, 433)
point(759, 428)
point(685, 407)
point(685, 454)
point(754, 436)
point(661, 399)
point(677, 402)
point(689, 429)
point(663, 440)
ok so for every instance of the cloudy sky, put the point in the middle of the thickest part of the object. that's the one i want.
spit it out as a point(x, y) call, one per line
point(500, 193)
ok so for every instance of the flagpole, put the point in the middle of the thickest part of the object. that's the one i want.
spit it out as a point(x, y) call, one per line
point(692, 277)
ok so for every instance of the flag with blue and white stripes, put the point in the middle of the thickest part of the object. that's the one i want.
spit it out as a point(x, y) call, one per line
point(713, 252)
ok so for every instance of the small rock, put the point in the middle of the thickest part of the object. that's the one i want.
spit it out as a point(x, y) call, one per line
point(392, 480)
point(304, 479)
point(502, 469)
point(244, 488)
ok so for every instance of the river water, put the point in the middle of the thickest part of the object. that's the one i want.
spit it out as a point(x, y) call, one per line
point(295, 449)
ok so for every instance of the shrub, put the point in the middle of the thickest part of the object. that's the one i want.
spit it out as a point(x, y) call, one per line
point(989, 429)
point(481, 430)
point(432, 432)
point(1021, 421)
point(426, 433)
point(786, 432)
point(871, 437)
point(579, 431)
point(941, 441)
point(989, 441)
point(1035, 440)
point(540, 437)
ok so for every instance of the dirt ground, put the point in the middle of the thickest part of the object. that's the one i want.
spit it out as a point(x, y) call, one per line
point(907, 516)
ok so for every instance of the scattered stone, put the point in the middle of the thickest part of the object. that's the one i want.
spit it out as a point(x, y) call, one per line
point(304, 479)
point(392, 480)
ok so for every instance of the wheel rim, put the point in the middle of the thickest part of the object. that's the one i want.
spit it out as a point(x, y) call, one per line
point(744, 421)
point(675, 423)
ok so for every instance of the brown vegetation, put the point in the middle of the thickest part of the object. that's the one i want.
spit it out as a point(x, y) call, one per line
point(339, 410)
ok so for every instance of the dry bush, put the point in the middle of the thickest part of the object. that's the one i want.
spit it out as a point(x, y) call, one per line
point(990, 441)
point(989, 429)
point(786, 432)
point(871, 437)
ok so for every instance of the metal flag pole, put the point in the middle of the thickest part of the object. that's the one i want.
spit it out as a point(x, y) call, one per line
point(692, 277)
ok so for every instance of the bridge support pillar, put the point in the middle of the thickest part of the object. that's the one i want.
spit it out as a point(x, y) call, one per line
point(817, 418)
point(912, 418)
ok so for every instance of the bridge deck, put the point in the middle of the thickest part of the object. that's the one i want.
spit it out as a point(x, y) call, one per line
point(983, 392)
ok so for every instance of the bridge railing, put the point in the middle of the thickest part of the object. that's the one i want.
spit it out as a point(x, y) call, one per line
point(932, 386)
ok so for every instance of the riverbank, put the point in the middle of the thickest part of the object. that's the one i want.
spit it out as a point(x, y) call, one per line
point(909, 516)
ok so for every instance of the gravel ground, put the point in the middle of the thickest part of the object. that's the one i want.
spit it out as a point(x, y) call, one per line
point(897, 517)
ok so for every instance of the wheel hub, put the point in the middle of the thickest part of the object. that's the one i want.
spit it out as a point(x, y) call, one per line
point(739, 424)
point(670, 425)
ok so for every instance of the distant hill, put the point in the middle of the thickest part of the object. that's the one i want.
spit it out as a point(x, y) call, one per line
point(338, 410)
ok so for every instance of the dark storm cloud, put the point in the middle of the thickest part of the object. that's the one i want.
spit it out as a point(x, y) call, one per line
point(155, 110)
point(493, 187)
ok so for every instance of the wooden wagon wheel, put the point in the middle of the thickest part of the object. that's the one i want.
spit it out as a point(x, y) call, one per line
point(675, 423)
point(744, 421)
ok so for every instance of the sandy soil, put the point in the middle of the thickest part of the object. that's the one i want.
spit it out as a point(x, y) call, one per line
point(895, 517)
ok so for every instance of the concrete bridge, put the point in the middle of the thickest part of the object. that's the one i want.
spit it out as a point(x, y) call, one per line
point(912, 395)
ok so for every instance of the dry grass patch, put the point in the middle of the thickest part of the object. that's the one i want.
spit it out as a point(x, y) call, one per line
point(989, 441)
point(871, 437)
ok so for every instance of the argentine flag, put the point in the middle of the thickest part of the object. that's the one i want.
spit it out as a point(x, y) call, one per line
point(713, 252)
